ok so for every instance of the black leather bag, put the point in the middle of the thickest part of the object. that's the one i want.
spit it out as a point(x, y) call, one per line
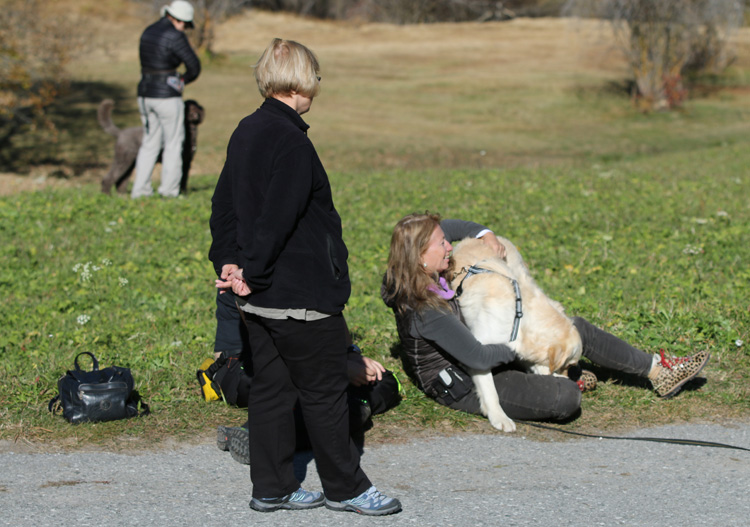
point(96, 395)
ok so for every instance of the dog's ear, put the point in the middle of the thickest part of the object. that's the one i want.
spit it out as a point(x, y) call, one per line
point(557, 358)
point(194, 112)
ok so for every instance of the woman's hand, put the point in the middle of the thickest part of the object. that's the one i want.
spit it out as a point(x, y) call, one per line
point(240, 287)
point(231, 277)
point(226, 271)
point(491, 241)
point(363, 370)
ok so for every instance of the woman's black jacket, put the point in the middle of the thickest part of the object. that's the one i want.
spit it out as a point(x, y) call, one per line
point(273, 215)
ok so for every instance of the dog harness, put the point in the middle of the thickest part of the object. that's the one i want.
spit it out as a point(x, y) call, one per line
point(472, 270)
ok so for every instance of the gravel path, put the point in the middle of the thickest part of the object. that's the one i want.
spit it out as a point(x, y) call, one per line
point(469, 480)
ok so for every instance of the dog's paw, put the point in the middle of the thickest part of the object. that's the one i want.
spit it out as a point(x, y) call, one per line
point(504, 423)
point(540, 369)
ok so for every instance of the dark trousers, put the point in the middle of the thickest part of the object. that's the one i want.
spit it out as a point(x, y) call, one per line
point(306, 361)
point(231, 335)
point(527, 396)
point(606, 350)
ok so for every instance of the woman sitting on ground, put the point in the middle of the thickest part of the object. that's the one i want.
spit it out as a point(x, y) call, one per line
point(434, 338)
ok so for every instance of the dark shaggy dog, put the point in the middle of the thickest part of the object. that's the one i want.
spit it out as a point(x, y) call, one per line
point(128, 141)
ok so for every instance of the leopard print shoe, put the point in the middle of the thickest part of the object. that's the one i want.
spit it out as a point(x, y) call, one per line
point(587, 381)
point(674, 372)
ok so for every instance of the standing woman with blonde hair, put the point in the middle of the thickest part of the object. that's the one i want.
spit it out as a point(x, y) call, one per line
point(277, 240)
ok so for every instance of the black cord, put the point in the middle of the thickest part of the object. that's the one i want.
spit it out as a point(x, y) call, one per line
point(690, 442)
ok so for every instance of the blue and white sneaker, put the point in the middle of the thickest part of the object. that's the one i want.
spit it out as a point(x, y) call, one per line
point(297, 500)
point(370, 503)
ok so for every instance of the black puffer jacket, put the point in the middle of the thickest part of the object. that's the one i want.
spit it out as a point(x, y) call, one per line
point(163, 48)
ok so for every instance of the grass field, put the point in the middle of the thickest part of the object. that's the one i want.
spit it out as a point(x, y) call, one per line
point(636, 222)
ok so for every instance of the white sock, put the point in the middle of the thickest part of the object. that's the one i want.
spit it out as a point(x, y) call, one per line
point(655, 367)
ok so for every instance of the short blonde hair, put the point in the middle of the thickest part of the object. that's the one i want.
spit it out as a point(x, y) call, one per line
point(287, 66)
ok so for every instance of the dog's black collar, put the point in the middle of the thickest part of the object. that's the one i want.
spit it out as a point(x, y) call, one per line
point(472, 270)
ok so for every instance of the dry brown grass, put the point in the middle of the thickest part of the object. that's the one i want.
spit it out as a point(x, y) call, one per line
point(525, 92)
point(432, 95)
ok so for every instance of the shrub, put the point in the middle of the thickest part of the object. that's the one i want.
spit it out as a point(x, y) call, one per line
point(663, 39)
point(35, 47)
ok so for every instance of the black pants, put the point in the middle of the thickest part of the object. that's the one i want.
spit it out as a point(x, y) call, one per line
point(527, 396)
point(231, 334)
point(611, 352)
point(306, 361)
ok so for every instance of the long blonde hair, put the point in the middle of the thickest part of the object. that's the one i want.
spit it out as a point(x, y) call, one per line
point(406, 283)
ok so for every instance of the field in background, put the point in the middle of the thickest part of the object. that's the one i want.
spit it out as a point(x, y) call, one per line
point(638, 223)
point(529, 92)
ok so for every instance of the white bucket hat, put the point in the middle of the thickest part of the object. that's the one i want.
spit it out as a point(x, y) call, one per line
point(181, 10)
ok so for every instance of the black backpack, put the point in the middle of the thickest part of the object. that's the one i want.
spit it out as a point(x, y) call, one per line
point(232, 378)
point(228, 377)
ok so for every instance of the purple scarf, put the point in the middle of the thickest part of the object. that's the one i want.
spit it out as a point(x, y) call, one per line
point(441, 289)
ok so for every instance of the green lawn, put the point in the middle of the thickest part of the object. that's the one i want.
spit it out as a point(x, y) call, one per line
point(639, 223)
point(652, 250)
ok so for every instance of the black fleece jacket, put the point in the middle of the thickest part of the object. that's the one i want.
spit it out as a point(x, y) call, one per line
point(162, 49)
point(273, 215)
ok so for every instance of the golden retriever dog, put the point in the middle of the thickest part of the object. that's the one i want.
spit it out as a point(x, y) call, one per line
point(502, 304)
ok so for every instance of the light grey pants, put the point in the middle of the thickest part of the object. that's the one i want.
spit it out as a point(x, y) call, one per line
point(163, 128)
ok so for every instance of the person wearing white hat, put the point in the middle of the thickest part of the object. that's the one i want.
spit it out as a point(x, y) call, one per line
point(179, 10)
point(163, 48)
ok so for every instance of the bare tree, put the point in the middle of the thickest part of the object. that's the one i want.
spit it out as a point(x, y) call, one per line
point(35, 47)
point(662, 39)
point(208, 13)
point(411, 11)
point(428, 11)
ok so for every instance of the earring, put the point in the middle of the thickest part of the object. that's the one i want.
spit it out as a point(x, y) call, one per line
point(424, 264)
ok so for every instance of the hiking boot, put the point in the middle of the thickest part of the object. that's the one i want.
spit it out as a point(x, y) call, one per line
point(297, 500)
point(587, 381)
point(669, 374)
point(222, 438)
point(369, 503)
point(239, 444)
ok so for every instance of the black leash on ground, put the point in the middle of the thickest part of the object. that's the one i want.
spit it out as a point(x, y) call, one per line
point(690, 442)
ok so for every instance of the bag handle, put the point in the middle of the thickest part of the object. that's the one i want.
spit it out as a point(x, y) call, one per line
point(93, 358)
point(52, 402)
